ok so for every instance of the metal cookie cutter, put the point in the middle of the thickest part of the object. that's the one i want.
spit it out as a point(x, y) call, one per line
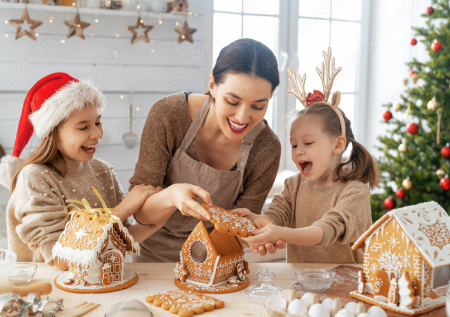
point(12, 305)
point(36, 305)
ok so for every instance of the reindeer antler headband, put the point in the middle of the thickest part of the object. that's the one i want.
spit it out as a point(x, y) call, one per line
point(327, 76)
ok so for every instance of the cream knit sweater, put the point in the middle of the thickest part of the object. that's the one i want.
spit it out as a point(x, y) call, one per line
point(36, 212)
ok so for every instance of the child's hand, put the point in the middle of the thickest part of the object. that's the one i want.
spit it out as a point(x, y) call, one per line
point(135, 199)
point(259, 220)
point(270, 234)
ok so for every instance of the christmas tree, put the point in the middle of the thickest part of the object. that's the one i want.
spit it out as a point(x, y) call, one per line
point(415, 156)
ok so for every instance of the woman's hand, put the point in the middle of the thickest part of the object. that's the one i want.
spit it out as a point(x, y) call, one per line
point(264, 240)
point(135, 199)
point(259, 220)
point(182, 197)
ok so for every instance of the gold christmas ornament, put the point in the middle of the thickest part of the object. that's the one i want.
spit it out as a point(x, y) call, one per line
point(34, 24)
point(432, 104)
point(398, 106)
point(76, 26)
point(133, 29)
point(405, 81)
point(403, 148)
point(415, 78)
point(185, 33)
point(440, 173)
point(407, 183)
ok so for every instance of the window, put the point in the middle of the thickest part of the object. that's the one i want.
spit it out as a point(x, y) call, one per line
point(256, 19)
point(441, 276)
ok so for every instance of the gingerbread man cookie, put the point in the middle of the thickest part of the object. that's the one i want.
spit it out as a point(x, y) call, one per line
point(230, 222)
point(185, 303)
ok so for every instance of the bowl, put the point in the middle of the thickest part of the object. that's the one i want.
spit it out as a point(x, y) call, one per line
point(315, 280)
point(22, 273)
point(7, 262)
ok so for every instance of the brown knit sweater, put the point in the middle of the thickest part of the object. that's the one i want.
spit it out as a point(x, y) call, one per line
point(36, 212)
point(167, 123)
point(342, 210)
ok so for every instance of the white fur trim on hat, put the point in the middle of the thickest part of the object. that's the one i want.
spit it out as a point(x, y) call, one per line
point(8, 167)
point(56, 109)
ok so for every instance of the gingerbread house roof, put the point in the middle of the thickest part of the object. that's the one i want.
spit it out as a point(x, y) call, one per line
point(83, 238)
point(426, 225)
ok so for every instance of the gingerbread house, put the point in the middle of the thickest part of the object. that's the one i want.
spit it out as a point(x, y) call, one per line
point(211, 263)
point(406, 260)
point(94, 244)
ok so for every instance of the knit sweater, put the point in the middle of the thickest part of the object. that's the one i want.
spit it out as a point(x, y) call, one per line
point(167, 123)
point(341, 210)
point(37, 210)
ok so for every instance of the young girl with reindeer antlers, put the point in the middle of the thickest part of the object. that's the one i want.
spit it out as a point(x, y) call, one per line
point(326, 207)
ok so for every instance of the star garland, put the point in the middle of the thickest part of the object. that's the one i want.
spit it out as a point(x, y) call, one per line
point(34, 25)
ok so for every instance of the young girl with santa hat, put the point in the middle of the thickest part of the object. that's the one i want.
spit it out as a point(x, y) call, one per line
point(65, 113)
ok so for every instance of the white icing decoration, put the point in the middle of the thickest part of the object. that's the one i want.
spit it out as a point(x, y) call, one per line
point(369, 288)
point(381, 298)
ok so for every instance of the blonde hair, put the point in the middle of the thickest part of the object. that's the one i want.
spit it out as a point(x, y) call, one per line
point(46, 153)
point(361, 165)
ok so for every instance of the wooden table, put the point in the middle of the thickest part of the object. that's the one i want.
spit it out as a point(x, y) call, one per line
point(159, 277)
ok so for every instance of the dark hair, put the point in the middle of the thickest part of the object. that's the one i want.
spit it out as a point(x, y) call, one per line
point(249, 57)
point(361, 165)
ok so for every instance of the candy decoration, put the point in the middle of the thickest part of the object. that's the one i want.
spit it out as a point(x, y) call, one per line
point(440, 173)
point(389, 203)
point(412, 128)
point(436, 45)
point(400, 193)
point(445, 151)
point(432, 104)
point(387, 115)
point(407, 183)
point(445, 183)
point(413, 42)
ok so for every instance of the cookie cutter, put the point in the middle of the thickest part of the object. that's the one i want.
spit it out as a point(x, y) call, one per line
point(12, 305)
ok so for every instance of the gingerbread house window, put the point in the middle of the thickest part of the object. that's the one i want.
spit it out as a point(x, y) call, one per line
point(441, 276)
point(198, 252)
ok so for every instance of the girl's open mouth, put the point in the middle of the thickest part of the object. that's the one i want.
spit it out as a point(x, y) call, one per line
point(235, 127)
point(305, 167)
point(89, 149)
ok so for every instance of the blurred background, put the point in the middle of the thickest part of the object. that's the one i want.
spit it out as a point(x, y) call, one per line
point(370, 40)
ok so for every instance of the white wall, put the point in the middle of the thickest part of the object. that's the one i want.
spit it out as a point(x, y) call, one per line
point(390, 35)
point(116, 66)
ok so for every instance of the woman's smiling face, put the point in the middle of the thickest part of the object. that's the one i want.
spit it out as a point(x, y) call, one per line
point(241, 102)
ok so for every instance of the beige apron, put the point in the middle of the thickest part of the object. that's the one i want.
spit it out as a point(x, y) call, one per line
point(224, 187)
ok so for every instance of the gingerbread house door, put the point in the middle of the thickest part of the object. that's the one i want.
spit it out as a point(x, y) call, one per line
point(114, 258)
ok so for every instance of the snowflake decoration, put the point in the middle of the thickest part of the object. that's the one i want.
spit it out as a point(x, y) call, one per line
point(437, 233)
point(390, 261)
point(90, 243)
point(373, 267)
point(180, 271)
point(405, 260)
point(393, 242)
point(80, 234)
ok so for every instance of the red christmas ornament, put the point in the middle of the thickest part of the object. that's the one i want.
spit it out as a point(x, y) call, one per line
point(430, 10)
point(413, 42)
point(316, 96)
point(412, 128)
point(445, 151)
point(411, 72)
point(387, 115)
point(436, 45)
point(389, 203)
point(400, 193)
point(445, 183)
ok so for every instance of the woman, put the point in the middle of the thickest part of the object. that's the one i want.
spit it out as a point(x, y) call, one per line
point(215, 148)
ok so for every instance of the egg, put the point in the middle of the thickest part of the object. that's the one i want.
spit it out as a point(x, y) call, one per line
point(363, 315)
point(376, 311)
point(275, 303)
point(318, 310)
point(296, 307)
point(306, 298)
point(328, 303)
point(351, 307)
point(344, 313)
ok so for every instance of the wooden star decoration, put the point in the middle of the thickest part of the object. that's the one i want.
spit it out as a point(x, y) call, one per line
point(76, 26)
point(185, 33)
point(34, 24)
point(139, 24)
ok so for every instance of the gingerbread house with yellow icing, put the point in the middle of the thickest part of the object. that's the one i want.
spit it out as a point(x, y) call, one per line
point(406, 260)
point(94, 248)
point(211, 263)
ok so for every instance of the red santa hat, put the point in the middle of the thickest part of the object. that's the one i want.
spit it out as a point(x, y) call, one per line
point(48, 103)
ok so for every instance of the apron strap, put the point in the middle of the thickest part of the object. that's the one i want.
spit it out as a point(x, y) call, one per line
point(195, 125)
point(246, 146)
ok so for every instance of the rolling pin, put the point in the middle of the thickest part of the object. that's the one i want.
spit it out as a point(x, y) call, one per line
point(42, 288)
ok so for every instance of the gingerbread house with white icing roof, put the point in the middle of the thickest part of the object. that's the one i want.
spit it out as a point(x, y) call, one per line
point(406, 260)
point(94, 248)
point(211, 263)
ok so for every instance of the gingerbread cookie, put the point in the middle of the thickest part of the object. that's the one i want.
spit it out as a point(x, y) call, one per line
point(227, 221)
point(185, 303)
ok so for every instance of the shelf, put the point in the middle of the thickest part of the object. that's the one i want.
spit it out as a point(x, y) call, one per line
point(101, 12)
